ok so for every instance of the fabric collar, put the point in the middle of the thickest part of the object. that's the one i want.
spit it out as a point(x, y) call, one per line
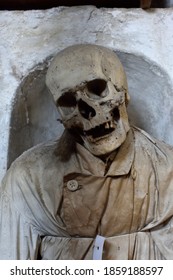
point(121, 164)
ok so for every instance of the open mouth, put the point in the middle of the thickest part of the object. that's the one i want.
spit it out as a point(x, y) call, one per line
point(104, 129)
point(101, 130)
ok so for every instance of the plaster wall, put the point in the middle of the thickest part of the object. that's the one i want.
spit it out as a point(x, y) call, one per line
point(142, 39)
point(169, 3)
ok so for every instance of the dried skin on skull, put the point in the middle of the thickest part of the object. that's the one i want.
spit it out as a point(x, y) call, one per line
point(73, 105)
point(89, 87)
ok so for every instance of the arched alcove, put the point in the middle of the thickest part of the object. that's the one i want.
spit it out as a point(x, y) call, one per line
point(34, 115)
point(151, 92)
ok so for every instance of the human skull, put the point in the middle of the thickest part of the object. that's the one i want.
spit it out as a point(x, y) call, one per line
point(89, 87)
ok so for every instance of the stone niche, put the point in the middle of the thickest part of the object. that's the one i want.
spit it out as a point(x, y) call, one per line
point(28, 115)
point(34, 117)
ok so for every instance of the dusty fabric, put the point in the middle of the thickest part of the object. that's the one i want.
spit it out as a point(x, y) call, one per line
point(130, 203)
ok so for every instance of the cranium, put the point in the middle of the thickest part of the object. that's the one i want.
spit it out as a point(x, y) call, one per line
point(89, 87)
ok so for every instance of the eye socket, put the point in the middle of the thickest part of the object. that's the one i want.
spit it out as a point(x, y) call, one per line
point(96, 88)
point(67, 100)
point(67, 103)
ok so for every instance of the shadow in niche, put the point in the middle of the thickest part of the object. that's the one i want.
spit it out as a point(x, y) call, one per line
point(34, 115)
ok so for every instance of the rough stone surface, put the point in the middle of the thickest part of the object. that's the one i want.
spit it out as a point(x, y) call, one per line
point(143, 40)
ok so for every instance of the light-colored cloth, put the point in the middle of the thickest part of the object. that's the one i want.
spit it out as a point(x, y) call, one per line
point(130, 204)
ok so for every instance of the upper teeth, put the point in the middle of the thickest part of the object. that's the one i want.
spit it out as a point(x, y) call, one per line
point(107, 125)
point(110, 124)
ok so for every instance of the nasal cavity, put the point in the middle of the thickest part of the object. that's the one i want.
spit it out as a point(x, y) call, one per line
point(85, 110)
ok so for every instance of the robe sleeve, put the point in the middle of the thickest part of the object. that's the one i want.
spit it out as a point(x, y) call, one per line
point(19, 239)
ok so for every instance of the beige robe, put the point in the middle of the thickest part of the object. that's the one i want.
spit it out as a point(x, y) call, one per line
point(130, 203)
